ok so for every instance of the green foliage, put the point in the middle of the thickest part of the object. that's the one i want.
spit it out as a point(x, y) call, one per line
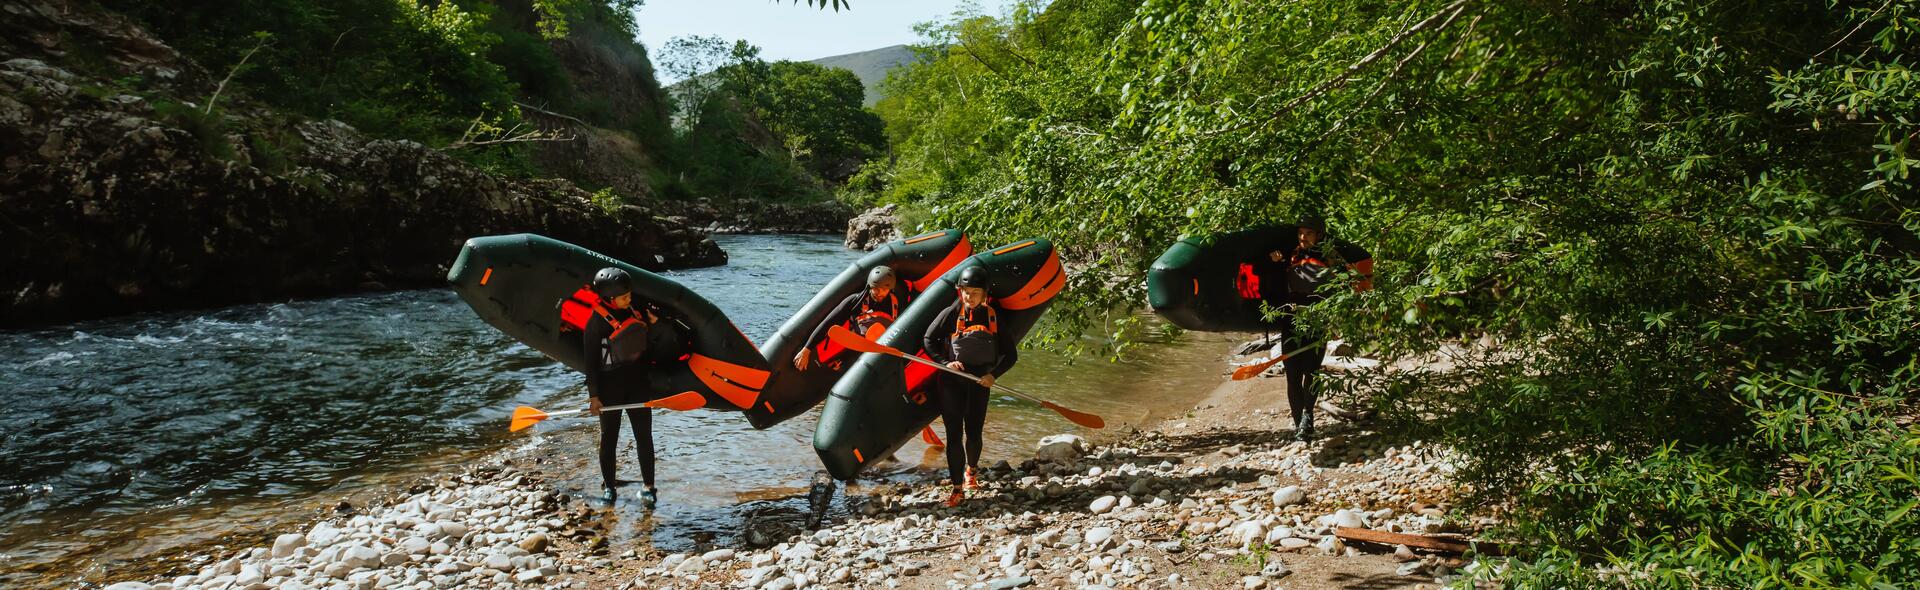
point(608, 200)
point(1688, 228)
point(209, 130)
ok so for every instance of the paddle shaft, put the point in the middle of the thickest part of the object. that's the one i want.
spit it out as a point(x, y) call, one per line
point(603, 409)
point(1015, 392)
point(1270, 362)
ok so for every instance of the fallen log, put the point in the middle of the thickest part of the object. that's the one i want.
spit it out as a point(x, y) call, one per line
point(1421, 541)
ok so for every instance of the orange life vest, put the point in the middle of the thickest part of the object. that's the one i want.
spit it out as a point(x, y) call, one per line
point(973, 342)
point(871, 321)
point(623, 346)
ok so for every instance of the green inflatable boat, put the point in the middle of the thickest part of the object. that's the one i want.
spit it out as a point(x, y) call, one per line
point(536, 289)
point(916, 261)
point(1207, 285)
point(883, 401)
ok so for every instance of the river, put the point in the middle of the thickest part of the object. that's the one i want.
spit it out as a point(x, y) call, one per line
point(135, 436)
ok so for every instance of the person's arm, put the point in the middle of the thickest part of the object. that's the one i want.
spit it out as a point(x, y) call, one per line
point(938, 332)
point(1007, 352)
point(837, 317)
point(593, 345)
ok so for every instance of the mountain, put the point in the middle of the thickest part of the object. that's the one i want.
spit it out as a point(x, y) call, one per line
point(871, 66)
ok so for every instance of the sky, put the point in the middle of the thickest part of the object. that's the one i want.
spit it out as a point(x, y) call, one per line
point(785, 30)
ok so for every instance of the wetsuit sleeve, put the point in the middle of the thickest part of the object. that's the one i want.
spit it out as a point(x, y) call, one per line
point(938, 334)
point(838, 317)
point(593, 343)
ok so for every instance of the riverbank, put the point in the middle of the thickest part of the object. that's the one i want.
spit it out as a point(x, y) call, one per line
point(1220, 496)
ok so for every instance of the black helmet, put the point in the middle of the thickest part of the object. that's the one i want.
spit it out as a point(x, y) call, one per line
point(612, 282)
point(1315, 223)
point(879, 275)
point(974, 276)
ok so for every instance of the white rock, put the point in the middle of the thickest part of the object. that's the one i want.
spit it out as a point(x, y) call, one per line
point(285, 545)
point(1097, 537)
point(718, 556)
point(452, 529)
point(530, 576)
point(498, 561)
point(130, 586)
point(1248, 533)
point(1288, 496)
point(249, 575)
point(1061, 448)
point(1292, 543)
point(1102, 504)
point(692, 565)
point(1253, 582)
point(1349, 519)
point(359, 556)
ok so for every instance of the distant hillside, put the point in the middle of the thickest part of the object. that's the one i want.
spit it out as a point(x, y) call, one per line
point(871, 66)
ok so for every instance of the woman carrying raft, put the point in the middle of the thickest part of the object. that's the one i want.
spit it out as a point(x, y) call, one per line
point(616, 340)
point(867, 313)
point(966, 337)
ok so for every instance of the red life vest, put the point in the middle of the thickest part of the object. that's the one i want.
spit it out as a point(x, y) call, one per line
point(623, 346)
point(973, 341)
point(870, 321)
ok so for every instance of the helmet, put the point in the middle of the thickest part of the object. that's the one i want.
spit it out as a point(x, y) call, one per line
point(974, 276)
point(880, 275)
point(612, 282)
point(1315, 223)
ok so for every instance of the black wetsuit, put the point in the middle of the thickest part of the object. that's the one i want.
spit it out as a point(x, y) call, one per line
point(1283, 287)
point(622, 383)
point(843, 315)
point(963, 403)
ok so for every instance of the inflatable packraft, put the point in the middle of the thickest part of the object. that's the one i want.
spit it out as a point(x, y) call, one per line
point(883, 401)
point(916, 261)
point(1208, 285)
point(537, 290)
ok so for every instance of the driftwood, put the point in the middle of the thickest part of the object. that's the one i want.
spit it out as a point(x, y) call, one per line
point(1421, 541)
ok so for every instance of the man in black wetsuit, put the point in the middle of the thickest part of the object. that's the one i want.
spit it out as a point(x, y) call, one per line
point(616, 340)
point(966, 337)
point(867, 313)
point(1291, 271)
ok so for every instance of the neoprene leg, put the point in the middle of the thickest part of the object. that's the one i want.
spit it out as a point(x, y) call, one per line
point(609, 445)
point(976, 422)
point(642, 419)
point(953, 407)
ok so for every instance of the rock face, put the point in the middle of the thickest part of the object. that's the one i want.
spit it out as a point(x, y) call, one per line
point(876, 226)
point(116, 200)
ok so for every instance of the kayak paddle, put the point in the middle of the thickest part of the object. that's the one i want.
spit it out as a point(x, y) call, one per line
point(854, 341)
point(526, 416)
point(1249, 371)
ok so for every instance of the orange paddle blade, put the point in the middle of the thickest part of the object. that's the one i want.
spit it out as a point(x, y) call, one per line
point(845, 337)
point(1249, 371)
point(1076, 416)
point(932, 440)
point(680, 402)
point(525, 417)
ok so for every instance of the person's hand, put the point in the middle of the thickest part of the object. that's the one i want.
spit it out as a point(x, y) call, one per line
point(987, 380)
point(651, 317)
point(1276, 256)
point(593, 406)
point(800, 360)
point(955, 365)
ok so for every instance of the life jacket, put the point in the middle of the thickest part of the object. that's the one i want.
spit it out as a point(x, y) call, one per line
point(1306, 271)
point(871, 320)
point(628, 341)
point(974, 342)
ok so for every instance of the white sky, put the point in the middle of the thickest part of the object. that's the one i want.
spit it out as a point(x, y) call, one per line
point(785, 30)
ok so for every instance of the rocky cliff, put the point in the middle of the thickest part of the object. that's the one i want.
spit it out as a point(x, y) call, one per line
point(120, 192)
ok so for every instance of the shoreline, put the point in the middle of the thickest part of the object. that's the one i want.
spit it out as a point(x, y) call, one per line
point(1210, 498)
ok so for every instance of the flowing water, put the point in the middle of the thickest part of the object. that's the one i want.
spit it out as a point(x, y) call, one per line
point(133, 436)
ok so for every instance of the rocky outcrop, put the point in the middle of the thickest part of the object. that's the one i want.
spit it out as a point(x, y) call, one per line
point(876, 226)
point(115, 199)
point(757, 217)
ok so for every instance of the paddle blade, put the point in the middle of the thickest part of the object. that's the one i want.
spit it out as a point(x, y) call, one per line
point(844, 337)
point(1250, 371)
point(525, 417)
point(680, 402)
point(1076, 416)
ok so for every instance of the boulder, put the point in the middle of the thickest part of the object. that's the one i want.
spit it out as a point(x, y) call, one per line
point(873, 227)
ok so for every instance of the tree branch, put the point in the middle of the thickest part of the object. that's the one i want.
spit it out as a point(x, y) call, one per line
point(236, 69)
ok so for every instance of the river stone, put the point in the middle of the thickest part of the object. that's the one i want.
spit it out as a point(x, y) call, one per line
point(394, 558)
point(130, 586)
point(415, 546)
point(535, 543)
point(692, 565)
point(1248, 533)
point(1061, 448)
point(1103, 504)
point(249, 575)
point(1292, 543)
point(1009, 583)
point(452, 529)
point(1288, 496)
point(718, 555)
point(358, 556)
point(1275, 570)
point(1097, 537)
point(498, 561)
point(530, 576)
point(1253, 582)
point(285, 545)
point(1349, 519)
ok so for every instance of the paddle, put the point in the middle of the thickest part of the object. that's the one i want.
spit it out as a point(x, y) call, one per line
point(853, 341)
point(1249, 371)
point(526, 416)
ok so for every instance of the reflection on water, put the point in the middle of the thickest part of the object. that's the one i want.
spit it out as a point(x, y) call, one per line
point(132, 435)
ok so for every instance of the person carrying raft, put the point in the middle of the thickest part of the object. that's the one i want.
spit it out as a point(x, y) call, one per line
point(1290, 273)
point(966, 337)
point(867, 313)
point(617, 341)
